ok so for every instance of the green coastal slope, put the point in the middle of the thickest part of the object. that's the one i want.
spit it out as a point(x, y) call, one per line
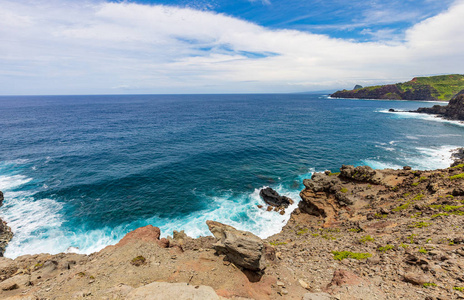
point(442, 88)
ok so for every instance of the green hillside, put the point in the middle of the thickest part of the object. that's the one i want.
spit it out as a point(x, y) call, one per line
point(442, 87)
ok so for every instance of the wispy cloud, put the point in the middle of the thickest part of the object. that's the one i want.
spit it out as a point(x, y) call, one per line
point(60, 47)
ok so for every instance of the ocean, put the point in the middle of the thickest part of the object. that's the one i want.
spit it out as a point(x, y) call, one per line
point(79, 172)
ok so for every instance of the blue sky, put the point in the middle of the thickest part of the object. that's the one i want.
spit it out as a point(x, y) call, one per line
point(354, 19)
point(219, 46)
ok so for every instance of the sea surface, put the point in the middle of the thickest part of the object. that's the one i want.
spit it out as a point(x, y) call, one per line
point(79, 172)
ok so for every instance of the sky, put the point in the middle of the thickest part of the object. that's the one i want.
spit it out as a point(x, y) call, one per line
point(60, 47)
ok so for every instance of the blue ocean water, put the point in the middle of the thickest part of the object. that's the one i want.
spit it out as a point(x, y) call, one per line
point(81, 171)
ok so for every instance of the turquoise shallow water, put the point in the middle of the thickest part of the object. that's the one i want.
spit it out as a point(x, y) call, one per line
point(81, 171)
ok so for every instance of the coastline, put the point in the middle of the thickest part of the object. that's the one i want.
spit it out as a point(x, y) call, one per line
point(360, 211)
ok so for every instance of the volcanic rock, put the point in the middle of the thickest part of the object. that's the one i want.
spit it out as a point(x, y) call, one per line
point(241, 247)
point(273, 198)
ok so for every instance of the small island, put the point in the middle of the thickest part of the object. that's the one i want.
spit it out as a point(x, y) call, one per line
point(434, 88)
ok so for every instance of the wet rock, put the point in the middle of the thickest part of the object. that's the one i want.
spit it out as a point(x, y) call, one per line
point(273, 198)
point(241, 247)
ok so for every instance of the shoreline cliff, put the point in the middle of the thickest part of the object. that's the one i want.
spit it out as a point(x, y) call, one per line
point(356, 234)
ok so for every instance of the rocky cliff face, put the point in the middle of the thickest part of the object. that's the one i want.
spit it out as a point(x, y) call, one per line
point(5, 231)
point(453, 111)
point(442, 87)
point(357, 234)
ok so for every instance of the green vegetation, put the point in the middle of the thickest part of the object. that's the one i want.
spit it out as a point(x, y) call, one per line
point(458, 166)
point(406, 195)
point(418, 197)
point(355, 230)
point(344, 190)
point(415, 183)
point(439, 215)
point(458, 176)
point(386, 248)
point(380, 216)
point(276, 243)
point(402, 207)
point(420, 224)
point(340, 255)
point(302, 231)
point(422, 250)
point(366, 239)
point(458, 288)
point(138, 261)
point(411, 238)
point(404, 246)
point(429, 284)
point(334, 174)
point(422, 178)
point(442, 87)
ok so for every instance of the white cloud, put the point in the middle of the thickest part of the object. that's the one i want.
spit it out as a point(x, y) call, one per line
point(60, 47)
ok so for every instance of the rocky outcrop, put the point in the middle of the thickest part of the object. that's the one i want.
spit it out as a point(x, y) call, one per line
point(419, 88)
point(271, 197)
point(240, 247)
point(453, 111)
point(5, 231)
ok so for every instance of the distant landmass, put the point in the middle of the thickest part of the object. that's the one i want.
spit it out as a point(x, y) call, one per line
point(443, 88)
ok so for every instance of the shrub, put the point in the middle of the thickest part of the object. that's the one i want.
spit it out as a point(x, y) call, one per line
point(340, 255)
point(366, 239)
point(138, 261)
point(386, 248)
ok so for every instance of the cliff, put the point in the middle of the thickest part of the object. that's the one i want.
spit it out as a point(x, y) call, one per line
point(420, 88)
point(5, 231)
point(357, 234)
point(453, 111)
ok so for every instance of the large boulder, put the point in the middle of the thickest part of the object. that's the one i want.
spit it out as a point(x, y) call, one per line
point(273, 198)
point(361, 173)
point(240, 247)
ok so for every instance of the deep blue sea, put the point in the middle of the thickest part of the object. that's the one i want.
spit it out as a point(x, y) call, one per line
point(79, 172)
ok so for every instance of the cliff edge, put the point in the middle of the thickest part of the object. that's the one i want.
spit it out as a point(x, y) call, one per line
point(357, 234)
point(442, 88)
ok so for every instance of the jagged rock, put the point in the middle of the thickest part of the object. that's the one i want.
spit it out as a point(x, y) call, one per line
point(361, 173)
point(241, 247)
point(178, 291)
point(273, 198)
point(5, 231)
point(453, 111)
point(357, 87)
point(147, 233)
point(458, 191)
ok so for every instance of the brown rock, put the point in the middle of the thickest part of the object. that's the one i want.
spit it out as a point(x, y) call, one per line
point(241, 247)
point(148, 233)
point(343, 277)
point(417, 279)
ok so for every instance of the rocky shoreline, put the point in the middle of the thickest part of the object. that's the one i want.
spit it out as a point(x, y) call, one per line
point(5, 231)
point(356, 234)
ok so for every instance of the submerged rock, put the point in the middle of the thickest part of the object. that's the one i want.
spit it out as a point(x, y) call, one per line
point(273, 198)
point(241, 247)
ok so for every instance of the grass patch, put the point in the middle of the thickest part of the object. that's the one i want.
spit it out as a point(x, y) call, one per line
point(439, 215)
point(355, 230)
point(366, 239)
point(404, 246)
point(276, 243)
point(415, 184)
point(422, 250)
point(344, 190)
point(418, 197)
point(138, 261)
point(402, 207)
point(458, 176)
point(302, 231)
point(458, 166)
point(340, 255)
point(420, 224)
point(458, 288)
point(429, 284)
point(386, 248)
point(406, 195)
point(334, 174)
